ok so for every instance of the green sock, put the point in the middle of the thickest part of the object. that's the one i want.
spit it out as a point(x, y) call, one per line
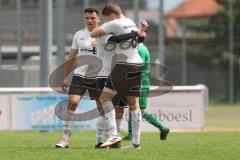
point(129, 125)
point(153, 120)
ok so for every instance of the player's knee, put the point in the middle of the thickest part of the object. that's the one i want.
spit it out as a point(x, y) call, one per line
point(104, 98)
point(143, 111)
point(72, 105)
point(101, 112)
point(132, 104)
point(119, 112)
point(133, 107)
point(119, 115)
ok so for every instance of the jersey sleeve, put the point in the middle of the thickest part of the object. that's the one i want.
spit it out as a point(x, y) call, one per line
point(74, 42)
point(106, 37)
point(103, 39)
point(109, 27)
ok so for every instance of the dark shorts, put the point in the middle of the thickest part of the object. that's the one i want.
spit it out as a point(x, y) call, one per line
point(100, 84)
point(119, 102)
point(80, 85)
point(125, 79)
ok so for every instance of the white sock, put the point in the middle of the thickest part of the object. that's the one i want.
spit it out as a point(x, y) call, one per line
point(67, 129)
point(107, 130)
point(110, 117)
point(67, 125)
point(100, 129)
point(118, 123)
point(136, 125)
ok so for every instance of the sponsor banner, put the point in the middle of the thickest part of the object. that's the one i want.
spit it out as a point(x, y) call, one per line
point(5, 117)
point(37, 111)
point(181, 109)
point(178, 110)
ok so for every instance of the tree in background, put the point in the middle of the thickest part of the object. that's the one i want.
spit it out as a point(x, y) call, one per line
point(215, 50)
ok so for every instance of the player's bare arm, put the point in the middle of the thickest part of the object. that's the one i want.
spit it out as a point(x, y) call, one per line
point(70, 61)
point(97, 32)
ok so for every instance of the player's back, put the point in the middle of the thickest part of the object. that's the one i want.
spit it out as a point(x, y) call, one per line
point(124, 25)
point(128, 48)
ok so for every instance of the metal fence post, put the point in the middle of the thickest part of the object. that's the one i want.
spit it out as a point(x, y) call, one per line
point(161, 38)
point(231, 52)
point(45, 40)
point(136, 11)
point(60, 10)
point(19, 41)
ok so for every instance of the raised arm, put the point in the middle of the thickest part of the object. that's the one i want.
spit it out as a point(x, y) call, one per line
point(127, 36)
point(142, 31)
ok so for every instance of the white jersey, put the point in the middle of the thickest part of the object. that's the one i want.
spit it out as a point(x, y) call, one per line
point(105, 56)
point(124, 50)
point(82, 42)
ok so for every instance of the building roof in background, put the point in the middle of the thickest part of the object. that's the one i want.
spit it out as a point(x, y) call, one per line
point(195, 8)
point(149, 15)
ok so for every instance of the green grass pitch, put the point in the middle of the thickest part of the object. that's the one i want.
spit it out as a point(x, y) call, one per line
point(219, 141)
point(179, 146)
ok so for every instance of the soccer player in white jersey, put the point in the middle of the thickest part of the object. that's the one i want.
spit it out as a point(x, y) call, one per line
point(106, 57)
point(82, 44)
point(105, 52)
point(126, 71)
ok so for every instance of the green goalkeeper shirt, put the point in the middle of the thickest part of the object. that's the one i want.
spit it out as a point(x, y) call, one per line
point(144, 54)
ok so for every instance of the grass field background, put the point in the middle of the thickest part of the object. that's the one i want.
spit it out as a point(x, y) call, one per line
point(219, 141)
point(222, 118)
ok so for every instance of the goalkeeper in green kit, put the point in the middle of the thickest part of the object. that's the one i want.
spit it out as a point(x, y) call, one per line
point(143, 99)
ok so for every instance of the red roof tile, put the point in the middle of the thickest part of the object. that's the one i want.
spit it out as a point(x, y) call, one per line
point(195, 8)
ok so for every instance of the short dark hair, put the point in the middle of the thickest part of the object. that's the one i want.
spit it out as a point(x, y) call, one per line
point(91, 10)
point(111, 8)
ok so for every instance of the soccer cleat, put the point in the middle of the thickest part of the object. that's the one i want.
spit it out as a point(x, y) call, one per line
point(97, 146)
point(128, 138)
point(116, 145)
point(62, 144)
point(111, 141)
point(132, 146)
point(164, 134)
